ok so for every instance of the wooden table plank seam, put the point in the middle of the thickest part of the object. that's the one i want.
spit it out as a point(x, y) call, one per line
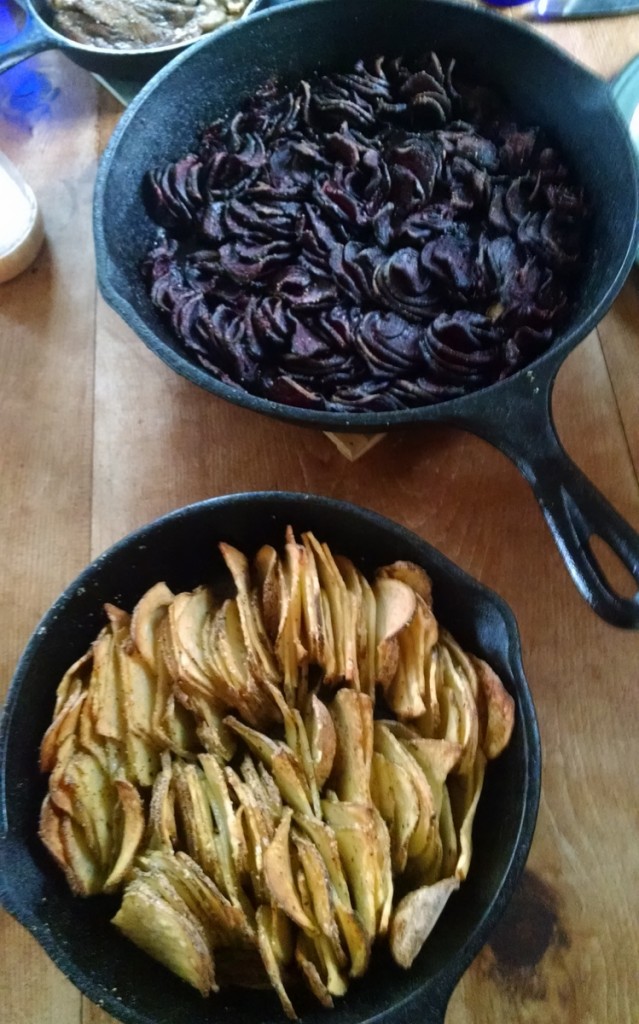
point(622, 418)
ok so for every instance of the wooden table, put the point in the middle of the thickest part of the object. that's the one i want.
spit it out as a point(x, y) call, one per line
point(99, 437)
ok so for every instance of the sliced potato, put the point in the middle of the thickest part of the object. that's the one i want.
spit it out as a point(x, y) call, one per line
point(176, 939)
point(320, 890)
point(395, 606)
point(352, 714)
point(224, 923)
point(50, 831)
point(93, 803)
point(291, 653)
point(449, 840)
point(269, 582)
point(412, 575)
point(408, 692)
point(468, 721)
point(214, 735)
point(258, 743)
point(391, 748)
point(231, 841)
point(415, 917)
point(267, 797)
point(133, 825)
point(322, 738)
point(261, 657)
point(297, 740)
point(356, 835)
point(84, 874)
point(437, 759)
point(361, 602)
point(162, 829)
point(268, 951)
point(280, 877)
point(354, 939)
point(197, 825)
point(344, 627)
point(80, 672)
point(307, 959)
point(395, 796)
point(105, 697)
point(316, 615)
point(145, 620)
point(65, 724)
point(291, 781)
point(464, 791)
point(136, 686)
point(496, 710)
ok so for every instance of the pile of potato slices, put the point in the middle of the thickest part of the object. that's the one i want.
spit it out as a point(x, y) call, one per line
point(276, 780)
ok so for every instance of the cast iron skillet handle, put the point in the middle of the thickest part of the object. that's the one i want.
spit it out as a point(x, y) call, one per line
point(30, 40)
point(573, 507)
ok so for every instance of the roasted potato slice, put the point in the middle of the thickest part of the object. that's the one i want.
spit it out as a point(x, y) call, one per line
point(496, 710)
point(176, 939)
point(395, 607)
point(408, 692)
point(268, 952)
point(65, 724)
point(464, 791)
point(145, 621)
point(280, 876)
point(396, 798)
point(356, 834)
point(83, 872)
point(260, 654)
point(50, 831)
point(322, 738)
point(415, 917)
point(352, 715)
point(132, 831)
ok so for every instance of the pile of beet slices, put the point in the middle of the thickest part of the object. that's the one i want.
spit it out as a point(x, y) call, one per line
point(367, 241)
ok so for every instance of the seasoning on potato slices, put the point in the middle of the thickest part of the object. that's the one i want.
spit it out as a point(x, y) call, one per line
point(281, 778)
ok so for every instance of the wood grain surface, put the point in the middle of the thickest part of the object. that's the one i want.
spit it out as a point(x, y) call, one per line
point(99, 437)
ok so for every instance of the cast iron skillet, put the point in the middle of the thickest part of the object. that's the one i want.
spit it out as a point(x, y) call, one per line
point(181, 549)
point(37, 34)
point(544, 83)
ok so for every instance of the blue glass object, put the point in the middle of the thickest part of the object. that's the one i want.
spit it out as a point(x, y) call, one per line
point(26, 94)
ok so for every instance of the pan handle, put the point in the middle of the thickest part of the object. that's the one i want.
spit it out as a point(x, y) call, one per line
point(575, 510)
point(30, 40)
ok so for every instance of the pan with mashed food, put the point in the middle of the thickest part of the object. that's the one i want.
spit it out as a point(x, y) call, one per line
point(133, 23)
point(125, 40)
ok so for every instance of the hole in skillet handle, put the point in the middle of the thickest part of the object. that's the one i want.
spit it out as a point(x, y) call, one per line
point(584, 523)
point(576, 512)
point(617, 574)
